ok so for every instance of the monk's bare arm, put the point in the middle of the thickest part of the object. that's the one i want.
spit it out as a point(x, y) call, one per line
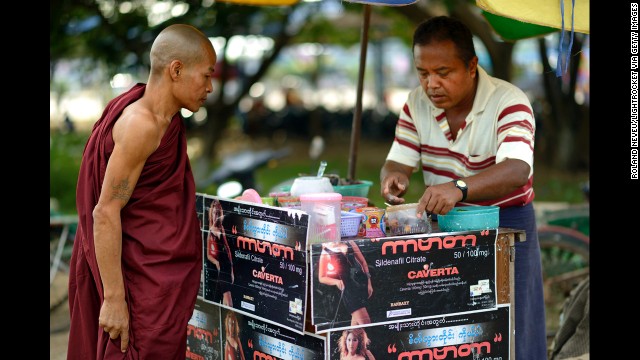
point(135, 138)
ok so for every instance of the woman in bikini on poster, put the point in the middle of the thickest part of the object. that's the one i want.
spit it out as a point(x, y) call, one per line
point(343, 265)
point(219, 254)
point(232, 346)
point(353, 345)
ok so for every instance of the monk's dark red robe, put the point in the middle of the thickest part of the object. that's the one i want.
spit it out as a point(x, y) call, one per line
point(161, 248)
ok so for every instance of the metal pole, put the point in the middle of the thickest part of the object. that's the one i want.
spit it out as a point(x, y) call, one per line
point(56, 260)
point(357, 115)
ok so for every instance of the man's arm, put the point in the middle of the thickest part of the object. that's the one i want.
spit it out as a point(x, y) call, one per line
point(394, 181)
point(135, 139)
point(496, 181)
point(513, 160)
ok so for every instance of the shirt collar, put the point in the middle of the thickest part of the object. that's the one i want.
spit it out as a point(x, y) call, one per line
point(485, 89)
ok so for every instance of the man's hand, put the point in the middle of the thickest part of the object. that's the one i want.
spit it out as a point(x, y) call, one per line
point(394, 186)
point(439, 199)
point(394, 181)
point(114, 319)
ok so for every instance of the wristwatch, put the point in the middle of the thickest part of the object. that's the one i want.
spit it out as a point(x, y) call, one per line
point(463, 187)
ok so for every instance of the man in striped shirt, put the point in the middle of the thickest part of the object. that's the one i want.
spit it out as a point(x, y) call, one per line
point(472, 135)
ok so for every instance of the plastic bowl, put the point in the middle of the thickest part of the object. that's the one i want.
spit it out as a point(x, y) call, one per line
point(464, 218)
point(350, 203)
point(310, 185)
point(360, 189)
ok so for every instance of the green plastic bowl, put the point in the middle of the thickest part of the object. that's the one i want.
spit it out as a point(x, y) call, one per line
point(361, 189)
point(464, 218)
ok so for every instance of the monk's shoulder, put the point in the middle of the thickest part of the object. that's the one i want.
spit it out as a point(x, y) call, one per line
point(137, 130)
point(137, 122)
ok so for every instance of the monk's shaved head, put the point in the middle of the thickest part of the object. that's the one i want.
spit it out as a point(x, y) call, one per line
point(178, 42)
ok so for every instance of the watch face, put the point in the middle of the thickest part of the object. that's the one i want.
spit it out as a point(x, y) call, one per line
point(461, 183)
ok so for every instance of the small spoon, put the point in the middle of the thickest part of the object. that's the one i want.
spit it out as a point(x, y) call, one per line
point(323, 165)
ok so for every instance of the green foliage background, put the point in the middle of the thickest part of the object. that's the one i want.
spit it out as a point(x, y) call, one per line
point(66, 151)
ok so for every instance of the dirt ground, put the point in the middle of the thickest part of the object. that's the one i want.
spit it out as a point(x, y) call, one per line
point(58, 319)
point(58, 340)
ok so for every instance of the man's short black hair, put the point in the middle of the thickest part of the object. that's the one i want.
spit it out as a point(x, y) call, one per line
point(441, 28)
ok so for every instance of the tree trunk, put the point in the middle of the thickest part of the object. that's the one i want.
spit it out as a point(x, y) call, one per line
point(219, 113)
point(499, 51)
point(561, 129)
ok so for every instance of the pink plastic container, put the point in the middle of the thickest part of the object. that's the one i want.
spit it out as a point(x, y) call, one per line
point(324, 216)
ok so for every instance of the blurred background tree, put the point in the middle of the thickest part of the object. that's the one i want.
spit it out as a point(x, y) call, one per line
point(112, 38)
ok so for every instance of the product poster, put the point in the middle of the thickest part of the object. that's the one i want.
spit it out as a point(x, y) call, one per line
point(254, 259)
point(244, 337)
point(383, 280)
point(203, 333)
point(478, 335)
point(200, 213)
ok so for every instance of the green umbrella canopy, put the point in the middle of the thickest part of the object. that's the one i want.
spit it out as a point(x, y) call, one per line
point(515, 20)
point(512, 30)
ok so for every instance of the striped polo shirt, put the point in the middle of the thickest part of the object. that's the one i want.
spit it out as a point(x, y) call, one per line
point(500, 125)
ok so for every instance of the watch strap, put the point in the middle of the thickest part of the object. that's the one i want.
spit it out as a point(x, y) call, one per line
point(462, 188)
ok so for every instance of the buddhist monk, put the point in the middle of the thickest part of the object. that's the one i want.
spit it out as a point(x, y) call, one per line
point(137, 255)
